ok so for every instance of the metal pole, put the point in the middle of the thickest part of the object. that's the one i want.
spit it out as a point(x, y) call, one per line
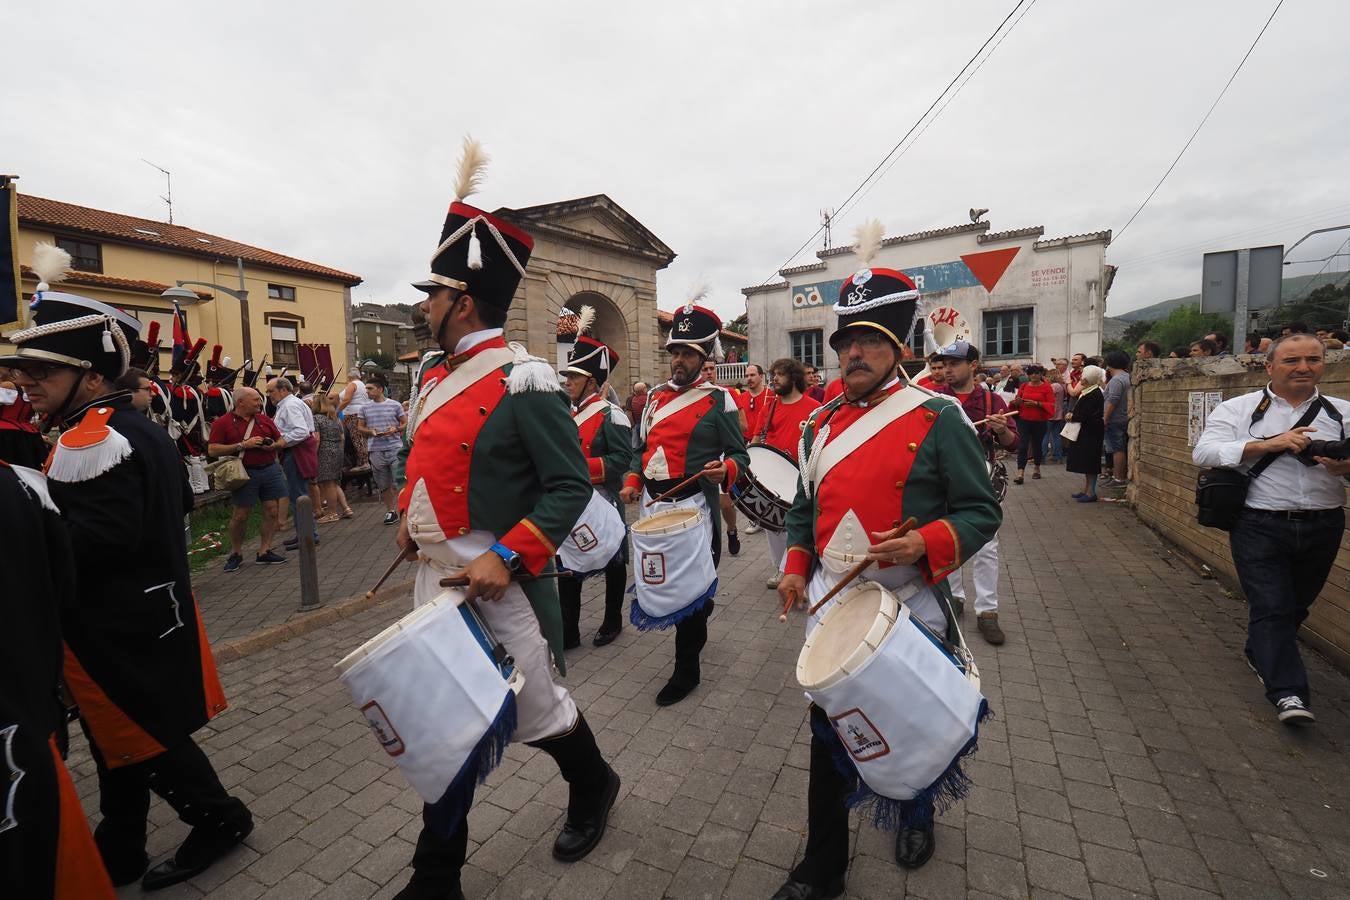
point(243, 312)
point(1244, 262)
point(309, 563)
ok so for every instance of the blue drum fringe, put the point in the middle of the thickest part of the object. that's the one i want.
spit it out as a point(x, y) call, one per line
point(890, 814)
point(453, 806)
point(646, 622)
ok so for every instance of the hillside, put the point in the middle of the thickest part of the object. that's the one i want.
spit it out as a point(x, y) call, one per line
point(1289, 289)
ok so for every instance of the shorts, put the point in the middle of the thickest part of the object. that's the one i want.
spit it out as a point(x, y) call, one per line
point(1116, 438)
point(382, 464)
point(264, 483)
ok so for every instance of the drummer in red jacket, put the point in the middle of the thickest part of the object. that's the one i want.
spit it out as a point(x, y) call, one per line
point(781, 428)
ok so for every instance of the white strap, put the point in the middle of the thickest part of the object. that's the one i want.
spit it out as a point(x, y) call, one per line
point(589, 411)
point(459, 380)
point(905, 400)
point(247, 432)
point(683, 401)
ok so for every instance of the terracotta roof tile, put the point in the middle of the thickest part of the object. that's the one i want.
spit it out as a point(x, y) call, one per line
point(1032, 231)
point(911, 238)
point(94, 279)
point(175, 238)
point(1090, 237)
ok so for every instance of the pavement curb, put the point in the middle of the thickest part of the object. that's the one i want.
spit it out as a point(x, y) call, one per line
point(239, 648)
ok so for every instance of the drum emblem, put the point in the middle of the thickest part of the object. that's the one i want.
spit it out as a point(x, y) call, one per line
point(383, 728)
point(860, 736)
point(654, 568)
point(585, 538)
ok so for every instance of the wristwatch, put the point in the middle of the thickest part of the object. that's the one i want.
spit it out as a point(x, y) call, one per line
point(509, 557)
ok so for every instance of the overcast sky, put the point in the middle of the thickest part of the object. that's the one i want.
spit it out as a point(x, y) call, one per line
point(330, 131)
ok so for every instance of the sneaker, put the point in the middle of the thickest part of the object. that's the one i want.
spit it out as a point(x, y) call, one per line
point(733, 542)
point(988, 625)
point(772, 583)
point(391, 518)
point(234, 562)
point(1088, 498)
point(752, 528)
point(294, 543)
point(1293, 711)
point(271, 557)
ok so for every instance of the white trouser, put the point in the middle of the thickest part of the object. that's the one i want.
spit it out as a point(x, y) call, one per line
point(544, 708)
point(984, 569)
point(777, 547)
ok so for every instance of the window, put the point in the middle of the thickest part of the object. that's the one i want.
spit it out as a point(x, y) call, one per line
point(379, 339)
point(280, 292)
point(85, 256)
point(1007, 333)
point(809, 347)
point(285, 335)
point(165, 320)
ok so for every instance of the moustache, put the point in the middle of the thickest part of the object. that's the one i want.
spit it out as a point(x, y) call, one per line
point(857, 366)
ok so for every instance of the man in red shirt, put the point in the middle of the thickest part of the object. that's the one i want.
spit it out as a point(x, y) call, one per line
point(245, 430)
point(781, 428)
point(814, 389)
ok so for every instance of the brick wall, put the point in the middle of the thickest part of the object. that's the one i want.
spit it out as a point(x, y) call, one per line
point(1163, 477)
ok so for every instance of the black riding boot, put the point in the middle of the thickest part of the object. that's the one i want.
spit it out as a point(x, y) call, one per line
point(691, 635)
point(436, 863)
point(616, 579)
point(569, 598)
point(592, 789)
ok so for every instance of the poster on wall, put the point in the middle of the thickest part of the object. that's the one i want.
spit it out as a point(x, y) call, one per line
point(1195, 420)
point(1212, 400)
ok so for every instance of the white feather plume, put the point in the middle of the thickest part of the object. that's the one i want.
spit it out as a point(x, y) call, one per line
point(698, 291)
point(473, 160)
point(585, 319)
point(869, 236)
point(50, 262)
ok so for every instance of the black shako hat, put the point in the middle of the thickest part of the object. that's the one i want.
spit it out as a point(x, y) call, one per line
point(74, 331)
point(590, 357)
point(883, 300)
point(696, 326)
point(479, 253)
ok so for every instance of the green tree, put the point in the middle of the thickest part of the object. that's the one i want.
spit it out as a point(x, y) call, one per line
point(1137, 333)
point(382, 360)
point(1186, 324)
point(740, 324)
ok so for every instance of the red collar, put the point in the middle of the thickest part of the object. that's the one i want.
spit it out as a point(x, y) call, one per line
point(455, 362)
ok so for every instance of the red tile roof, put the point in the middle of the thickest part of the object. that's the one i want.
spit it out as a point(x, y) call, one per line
point(94, 279)
point(67, 217)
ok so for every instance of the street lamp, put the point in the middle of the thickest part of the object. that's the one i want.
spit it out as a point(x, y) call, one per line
point(240, 294)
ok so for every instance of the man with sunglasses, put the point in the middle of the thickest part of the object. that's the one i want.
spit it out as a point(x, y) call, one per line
point(137, 662)
point(878, 454)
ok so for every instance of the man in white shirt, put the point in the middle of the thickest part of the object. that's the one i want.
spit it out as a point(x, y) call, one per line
point(296, 423)
point(1287, 537)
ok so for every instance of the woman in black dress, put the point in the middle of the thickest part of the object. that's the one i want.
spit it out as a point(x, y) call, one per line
point(1085, 453)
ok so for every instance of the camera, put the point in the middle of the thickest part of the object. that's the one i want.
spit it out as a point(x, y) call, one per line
point(267, 442)
point(1328, 449)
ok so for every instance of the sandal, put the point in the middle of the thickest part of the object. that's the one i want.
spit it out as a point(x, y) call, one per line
point(346, 513)
point(326, 520)
point(1036, 474)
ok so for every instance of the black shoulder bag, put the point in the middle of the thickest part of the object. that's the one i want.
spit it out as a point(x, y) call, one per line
point(1221, 493)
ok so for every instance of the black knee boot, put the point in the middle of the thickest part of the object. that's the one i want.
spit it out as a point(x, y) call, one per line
point(592, 789)
point(569, 598)
point(825, 862)
point(616, 579)
point(436, 863)
point(691, 635)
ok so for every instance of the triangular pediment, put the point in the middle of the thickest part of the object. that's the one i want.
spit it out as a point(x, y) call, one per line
point(596, 219)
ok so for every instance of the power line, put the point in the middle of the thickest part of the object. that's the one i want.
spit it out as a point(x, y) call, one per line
point(1202, 121)
point(1266, 228)
point(902, 140)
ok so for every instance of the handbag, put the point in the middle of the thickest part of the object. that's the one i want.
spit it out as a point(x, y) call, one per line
point(1221, 493)
point(229, 474)
point(1070, 431)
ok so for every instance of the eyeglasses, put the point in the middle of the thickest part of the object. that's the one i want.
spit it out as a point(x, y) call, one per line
point(868, 340)
point(35, 371)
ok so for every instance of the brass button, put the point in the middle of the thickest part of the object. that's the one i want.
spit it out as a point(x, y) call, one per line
point(913, 446)
point(459, 489)
point(899, 484)
point(465, 447)
point(482, 410)
point(463, 529)
point(928, 417)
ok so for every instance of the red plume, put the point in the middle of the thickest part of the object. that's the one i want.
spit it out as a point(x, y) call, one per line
point(197, 348)
point(215, 355)
point(152, 335)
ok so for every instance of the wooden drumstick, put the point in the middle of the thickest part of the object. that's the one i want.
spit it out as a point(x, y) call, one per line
point(683, 484)
point(462, 580)
point(792, 597)
point(387, 572)
point(899, 531)
point(1006, 415)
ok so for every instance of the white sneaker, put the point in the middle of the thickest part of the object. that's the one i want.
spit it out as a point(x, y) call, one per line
point(772, 583)
point(752, 528)
point(1293, 711)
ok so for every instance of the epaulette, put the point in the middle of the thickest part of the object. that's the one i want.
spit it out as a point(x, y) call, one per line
point(530, 373)
point(89, 449)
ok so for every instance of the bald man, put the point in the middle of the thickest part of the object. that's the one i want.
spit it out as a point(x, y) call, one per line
point(245, 431)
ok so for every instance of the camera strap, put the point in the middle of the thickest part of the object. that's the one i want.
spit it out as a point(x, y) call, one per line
point(1305, 420)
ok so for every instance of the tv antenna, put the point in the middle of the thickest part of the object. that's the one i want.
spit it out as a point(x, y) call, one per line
point(168, 178)
point(826, 218)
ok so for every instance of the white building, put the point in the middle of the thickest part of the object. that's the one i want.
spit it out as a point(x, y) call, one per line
point(1024, 298)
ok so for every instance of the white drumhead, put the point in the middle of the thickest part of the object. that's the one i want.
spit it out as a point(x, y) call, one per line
point(774, 472)
point(849, 632)
point(668, 520)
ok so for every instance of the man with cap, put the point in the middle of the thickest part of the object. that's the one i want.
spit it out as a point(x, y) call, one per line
point(690, 427)
point(137, 661)
point(606, 442)
point(880, 453)
point(495, 482)
point(997, 431)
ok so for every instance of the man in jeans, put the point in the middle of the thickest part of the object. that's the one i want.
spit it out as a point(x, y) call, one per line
point(231, 434)
point(1116, 416)
point(382, 422)
point(295, 422)
point(1286, 538)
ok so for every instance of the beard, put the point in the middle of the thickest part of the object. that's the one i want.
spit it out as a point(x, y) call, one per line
point(783, 391)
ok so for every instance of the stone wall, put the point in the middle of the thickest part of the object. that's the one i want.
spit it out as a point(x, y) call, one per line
point(1162, 487)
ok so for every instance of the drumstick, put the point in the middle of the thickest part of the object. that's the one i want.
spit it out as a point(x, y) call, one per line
point(900, 531)
point(683, 484)
point(792, 598)
point(1006, 415)
point(462, 580)
point(387, 572)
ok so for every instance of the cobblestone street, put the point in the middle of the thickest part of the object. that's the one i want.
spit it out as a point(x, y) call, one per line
point(1132, 753)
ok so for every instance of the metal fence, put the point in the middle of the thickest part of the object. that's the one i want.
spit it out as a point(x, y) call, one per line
point(731, 373)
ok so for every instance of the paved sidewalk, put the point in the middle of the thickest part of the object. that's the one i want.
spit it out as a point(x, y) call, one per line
point(1132, 753)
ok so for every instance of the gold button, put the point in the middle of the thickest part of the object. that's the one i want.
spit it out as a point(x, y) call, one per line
point(482, 410)
point(463, 529)
point(913, 446)
point(899, 484)
point(465, 447)
point(459, 489)
point(928, 417)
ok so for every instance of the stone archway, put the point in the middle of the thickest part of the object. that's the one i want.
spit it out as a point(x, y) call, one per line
point(610, 328)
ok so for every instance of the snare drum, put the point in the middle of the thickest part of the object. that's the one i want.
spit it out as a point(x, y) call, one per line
point(998, 478)
point(439, 693)
point(906, 708)
point(764, 491)
point(596, 537)
point(673, 566)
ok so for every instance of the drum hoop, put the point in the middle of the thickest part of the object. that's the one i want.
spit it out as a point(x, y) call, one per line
point(379, 643)
point(838, 677)
point(692, 517)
